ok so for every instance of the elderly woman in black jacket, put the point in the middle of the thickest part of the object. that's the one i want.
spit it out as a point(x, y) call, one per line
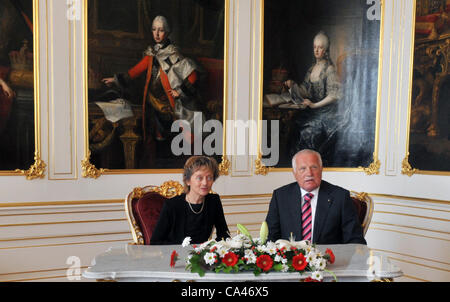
point(195, 212)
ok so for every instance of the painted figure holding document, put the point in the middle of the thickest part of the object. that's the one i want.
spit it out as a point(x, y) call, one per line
point(315, 125)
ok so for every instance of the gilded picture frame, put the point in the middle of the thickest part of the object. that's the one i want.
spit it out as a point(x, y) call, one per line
point(353, 31)
point(20, 120)
point(428, 137)
point(112, 46)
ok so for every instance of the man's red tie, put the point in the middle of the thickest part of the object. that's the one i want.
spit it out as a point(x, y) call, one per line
point(307, 217)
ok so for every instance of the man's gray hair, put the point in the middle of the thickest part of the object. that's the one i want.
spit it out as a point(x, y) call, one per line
point(305, 151)
point(164, 22)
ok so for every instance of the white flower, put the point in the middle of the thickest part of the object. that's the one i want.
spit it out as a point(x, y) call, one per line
point(260, 248)
point(270, 248)
point(317, 275)
point(206, 244)
point(309, 249)
point(285, 268)
point(235, 242)
point(210, 258)
point(186, 241)
point(279, 258)
point(222, 251)
point(311, 257)
point(301, 244)
point(281, 243)
point(250, 256)
point(319, 264)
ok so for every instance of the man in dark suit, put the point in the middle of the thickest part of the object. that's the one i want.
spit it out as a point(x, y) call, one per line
point(311, 208)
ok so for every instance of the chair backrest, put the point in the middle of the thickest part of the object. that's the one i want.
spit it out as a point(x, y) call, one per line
point(364, 207)
point(143, 206)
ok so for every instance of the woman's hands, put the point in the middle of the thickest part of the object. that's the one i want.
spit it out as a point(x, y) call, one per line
point(308, 103)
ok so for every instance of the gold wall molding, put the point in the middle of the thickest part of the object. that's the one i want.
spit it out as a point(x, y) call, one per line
point(410, 198)
point(412, 207)
point(61, 222)
point(374, 167)
point(37, 272)
point(414, 278)
point(222, 196)
point(224, 166)
point(88, 169)
point(245, 213)
point(406, 233)
point(411, 215)
point(408, 255)
point(406, 166)
point(37, 169)
point(444, 50)
point(63, 236)
point(409, 227)
point(58, 203)
point(419, 264)
point(260, 169)
point(60, 213)
point(64, 244)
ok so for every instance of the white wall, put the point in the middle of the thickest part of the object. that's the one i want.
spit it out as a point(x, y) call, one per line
point(44, 221)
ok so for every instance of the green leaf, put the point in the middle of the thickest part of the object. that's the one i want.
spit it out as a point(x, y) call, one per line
point(244, 230)
point(278, 267)
point(198, 269)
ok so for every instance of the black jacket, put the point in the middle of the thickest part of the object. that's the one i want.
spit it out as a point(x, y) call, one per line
point(336, 220)
point(170, 228)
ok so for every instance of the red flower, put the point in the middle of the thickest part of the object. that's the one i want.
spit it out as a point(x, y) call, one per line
point(299, 262)
point(264, 262)
point(230, 259)
point(173, 258)
point(309, 279)
point(331, 255)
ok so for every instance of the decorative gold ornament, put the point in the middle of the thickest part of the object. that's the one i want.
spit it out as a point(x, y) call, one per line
point(374, 167)
point(361, 195)
point(406, 167)
point(137, 231)
point(170, 189)
point(260, 169)
point(89, 170)
point(37, 170)
point(383, 280)
point(224, 166)
point(137, 193)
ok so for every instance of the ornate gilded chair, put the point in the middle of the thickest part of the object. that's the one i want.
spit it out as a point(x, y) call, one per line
point(143, 206)
point(364, 206)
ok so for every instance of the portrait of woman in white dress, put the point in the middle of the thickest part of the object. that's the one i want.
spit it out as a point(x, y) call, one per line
point(321, 61)
point(314, 126)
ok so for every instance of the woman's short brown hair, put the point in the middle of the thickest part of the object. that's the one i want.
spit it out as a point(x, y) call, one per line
point(195, 163)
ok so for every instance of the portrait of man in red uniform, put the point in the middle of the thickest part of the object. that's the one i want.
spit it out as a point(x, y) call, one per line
point(170, 82)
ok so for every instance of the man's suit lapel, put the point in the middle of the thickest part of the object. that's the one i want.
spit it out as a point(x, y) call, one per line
point(294, 207)
point(323, 205)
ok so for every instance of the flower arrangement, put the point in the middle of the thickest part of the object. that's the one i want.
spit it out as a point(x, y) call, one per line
point(244, 253)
